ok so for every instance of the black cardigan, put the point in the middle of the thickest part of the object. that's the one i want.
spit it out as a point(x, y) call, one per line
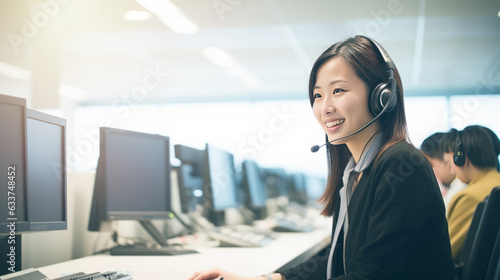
point(397, 225)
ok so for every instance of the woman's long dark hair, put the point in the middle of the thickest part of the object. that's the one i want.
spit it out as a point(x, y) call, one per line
point(369, 66)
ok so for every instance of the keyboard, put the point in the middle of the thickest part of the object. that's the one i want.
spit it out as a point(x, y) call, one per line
point(141, 250)
point(33, 274)
point(234, 237)
point(109, 275)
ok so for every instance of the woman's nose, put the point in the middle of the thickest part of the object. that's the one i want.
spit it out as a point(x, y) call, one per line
point(328, 107)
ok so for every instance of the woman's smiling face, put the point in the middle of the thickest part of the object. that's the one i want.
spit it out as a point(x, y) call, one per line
point(340, 100)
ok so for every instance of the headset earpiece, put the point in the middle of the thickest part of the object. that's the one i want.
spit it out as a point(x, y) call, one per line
point(381, 97)
point(459, 155)
point(384, 94)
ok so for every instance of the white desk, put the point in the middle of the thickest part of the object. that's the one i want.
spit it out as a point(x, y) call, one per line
point(245, 261)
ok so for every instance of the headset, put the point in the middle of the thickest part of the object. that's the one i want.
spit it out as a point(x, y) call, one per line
point(459, 155)
point(384, 94)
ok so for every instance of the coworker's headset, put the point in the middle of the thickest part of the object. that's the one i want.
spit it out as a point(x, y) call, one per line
point(383, 98)
point(459, 155)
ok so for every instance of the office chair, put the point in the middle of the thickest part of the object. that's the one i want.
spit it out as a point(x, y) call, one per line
point(494, 266)
point(475, 265)
point(469, 239)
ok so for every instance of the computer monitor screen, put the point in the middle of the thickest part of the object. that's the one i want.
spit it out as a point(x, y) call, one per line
point(254, 185)
point(189, 177)
point(277, 182)
point(46, 146)
point(133, 177)
point(219, 179)
point(13, 173)
point(315, 187)
point(297, 188)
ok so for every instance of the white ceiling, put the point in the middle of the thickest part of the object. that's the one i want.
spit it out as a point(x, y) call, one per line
point(440, 47)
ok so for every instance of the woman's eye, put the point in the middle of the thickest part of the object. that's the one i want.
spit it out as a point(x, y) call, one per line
point(337, 90)
point(316, 95)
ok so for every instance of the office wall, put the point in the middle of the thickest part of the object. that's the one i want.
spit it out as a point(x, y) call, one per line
point(275, 133)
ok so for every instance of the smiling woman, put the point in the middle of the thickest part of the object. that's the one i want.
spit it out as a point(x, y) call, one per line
point(340, 102)
point(388, 214)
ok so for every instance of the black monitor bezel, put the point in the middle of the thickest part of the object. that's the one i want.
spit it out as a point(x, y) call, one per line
point(49, 225)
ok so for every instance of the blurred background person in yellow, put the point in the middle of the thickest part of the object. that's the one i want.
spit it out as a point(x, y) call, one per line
point(475, 162)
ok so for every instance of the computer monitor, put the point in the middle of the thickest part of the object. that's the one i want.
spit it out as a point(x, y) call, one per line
point(46, 146)
point(297, 188)
point(315, 187)
point(13, 178)
point(190, 177)
point(33, 176)
point(254, 188)
point(132, 180)
point(276, 181)
point(13, 175)
point(219, 183)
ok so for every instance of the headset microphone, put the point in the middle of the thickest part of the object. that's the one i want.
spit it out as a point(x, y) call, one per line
point(315, 148)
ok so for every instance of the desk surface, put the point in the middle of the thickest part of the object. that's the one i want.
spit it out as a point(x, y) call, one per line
point(244, 261)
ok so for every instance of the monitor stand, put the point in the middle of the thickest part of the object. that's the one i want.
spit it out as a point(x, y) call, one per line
point(163, 249)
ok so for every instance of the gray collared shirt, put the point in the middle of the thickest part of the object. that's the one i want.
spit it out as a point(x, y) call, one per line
point(366, 158)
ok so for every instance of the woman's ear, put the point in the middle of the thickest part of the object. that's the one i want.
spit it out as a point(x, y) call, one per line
point(467, 161)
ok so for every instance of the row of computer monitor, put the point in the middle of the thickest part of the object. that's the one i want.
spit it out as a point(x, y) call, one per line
point(133, 177)
point(32, 169)
point(209, 178)
point(134, 174)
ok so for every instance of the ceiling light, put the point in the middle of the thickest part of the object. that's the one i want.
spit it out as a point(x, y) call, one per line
point(13, 72)
point(223, 59)
point(219, 57)
point(137, 15)
point(170, 15)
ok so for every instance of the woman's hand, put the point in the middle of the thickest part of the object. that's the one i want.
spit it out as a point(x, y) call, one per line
point(217, 273)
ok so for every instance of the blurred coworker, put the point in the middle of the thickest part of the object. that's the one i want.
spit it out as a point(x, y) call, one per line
point(475, 162)
point(434, 149)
